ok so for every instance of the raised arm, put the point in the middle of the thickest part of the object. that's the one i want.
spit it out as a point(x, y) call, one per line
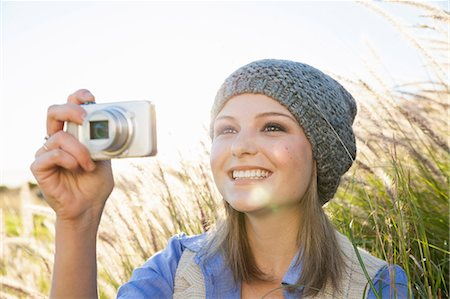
point(77, 189)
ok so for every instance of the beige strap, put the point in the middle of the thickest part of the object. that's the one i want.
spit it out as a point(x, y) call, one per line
point(189, 281)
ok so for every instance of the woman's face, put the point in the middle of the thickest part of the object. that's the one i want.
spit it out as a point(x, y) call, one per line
point(260, 156)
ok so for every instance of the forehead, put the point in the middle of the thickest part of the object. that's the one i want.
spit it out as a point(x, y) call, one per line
point(249, 104)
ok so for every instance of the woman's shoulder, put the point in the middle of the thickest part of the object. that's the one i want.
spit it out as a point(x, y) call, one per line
point(387, 279)
point(357, 255)
point(389, 282)
point(175, 247)
point(155, 278)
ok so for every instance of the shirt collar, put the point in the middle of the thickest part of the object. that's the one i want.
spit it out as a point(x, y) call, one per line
point(293, 273)
point(194, 243)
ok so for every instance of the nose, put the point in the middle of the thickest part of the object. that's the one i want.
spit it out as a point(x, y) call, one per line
point(243, 144)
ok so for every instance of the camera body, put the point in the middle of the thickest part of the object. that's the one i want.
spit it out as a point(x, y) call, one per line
point(117, 130)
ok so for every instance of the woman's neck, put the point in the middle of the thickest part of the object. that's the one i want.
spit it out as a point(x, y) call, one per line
point(273, 240)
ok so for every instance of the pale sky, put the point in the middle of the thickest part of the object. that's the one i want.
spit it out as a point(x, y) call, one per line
point(175, 54)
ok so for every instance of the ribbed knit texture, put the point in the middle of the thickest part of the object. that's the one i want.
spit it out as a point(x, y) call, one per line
point(189, 282)
point(322, 107)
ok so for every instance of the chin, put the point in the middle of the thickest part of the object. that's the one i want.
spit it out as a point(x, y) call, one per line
point(248, 204)
point(245, 208)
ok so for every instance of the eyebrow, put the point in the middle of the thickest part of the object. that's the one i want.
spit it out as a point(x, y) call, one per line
point(261, 115)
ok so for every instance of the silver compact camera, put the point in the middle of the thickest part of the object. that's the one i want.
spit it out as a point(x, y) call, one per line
point(117, 130)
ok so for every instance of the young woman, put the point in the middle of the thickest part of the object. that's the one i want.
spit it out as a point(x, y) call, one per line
point(281, 140)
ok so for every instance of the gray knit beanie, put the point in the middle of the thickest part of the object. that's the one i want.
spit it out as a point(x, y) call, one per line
point(322, 107)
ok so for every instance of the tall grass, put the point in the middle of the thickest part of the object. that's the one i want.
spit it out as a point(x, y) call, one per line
point(396, 196)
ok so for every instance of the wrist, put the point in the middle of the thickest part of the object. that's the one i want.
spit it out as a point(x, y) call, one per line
point(87, 222)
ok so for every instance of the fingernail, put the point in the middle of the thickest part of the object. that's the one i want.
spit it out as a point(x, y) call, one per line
point(88, 96)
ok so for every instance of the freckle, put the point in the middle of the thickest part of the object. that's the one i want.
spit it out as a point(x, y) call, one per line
point(287, 152)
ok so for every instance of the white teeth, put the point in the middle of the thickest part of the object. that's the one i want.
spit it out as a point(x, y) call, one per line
point(250, 174)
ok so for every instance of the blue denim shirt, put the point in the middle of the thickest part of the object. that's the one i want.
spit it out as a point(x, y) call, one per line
point(156, 278)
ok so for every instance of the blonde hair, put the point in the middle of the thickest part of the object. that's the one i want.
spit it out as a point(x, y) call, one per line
point(320, 254)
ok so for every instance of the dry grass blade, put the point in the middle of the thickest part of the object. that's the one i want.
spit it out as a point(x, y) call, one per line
point(17, 288)
point(435, 12)
point(436, 66)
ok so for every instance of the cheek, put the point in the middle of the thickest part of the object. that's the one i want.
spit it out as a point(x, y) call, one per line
point(216, 157)
point(285, 154)
point(296, 161)
point(294, 156)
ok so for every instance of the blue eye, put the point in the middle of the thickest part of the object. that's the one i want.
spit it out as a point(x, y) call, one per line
point(273, 127)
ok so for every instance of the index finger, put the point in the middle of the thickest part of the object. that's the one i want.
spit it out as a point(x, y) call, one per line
point(57, 115)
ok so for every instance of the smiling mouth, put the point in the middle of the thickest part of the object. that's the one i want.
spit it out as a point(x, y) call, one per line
point(251, 174)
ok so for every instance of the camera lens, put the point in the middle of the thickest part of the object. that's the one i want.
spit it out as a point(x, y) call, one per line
point(99, 129)
point(108, 130)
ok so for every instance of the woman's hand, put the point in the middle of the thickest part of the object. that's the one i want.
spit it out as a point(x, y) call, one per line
point(73, 185)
